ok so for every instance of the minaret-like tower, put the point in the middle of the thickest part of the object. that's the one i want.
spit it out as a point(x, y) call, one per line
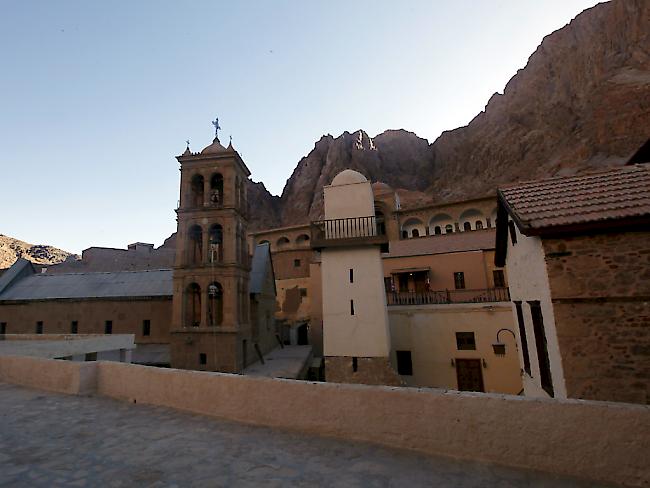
point(210, 324)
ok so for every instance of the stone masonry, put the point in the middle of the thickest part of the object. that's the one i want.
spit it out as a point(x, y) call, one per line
point(370, 371)
point(600, 288)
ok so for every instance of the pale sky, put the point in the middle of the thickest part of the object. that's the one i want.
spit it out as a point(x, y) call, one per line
point(96, 98)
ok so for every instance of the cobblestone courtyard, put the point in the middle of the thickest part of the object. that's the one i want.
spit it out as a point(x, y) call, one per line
point(48, 439)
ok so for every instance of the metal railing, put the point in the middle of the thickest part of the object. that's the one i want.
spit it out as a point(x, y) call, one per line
point(483, 295)
point(350, 228)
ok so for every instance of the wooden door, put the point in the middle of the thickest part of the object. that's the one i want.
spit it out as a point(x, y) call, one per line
point(469, 374)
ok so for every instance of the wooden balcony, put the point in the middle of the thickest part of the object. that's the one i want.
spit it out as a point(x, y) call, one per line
point(350, 232)
point(440, 297)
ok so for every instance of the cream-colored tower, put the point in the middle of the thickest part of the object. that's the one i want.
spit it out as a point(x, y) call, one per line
point(356, 335)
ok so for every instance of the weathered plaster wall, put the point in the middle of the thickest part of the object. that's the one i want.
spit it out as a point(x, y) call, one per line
point(605, 442)
point(528, 279)
point(429, 332)
point(600, 287)
point(364, 334)
point(369, 371)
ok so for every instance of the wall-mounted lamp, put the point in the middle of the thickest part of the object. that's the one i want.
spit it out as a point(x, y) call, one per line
point(484, 363)
point(453, 363)
point(499, 347)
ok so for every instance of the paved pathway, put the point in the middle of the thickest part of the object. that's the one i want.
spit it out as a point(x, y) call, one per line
point(47, 440)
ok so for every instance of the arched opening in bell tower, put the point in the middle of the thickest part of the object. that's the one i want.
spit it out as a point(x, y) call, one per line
point(216, 189)
point(197, 191)
point(215, 304)
point(216, 244)
point(193, 305)
point(195, 245)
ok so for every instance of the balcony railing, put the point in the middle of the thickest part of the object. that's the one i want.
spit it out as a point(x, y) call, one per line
point(349, 231)
point(484, 295)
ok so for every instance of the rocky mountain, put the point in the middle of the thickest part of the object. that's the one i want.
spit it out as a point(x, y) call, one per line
point(582, 102)
point(11, 249)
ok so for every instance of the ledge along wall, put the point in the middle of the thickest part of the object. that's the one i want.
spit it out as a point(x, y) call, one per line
point(605, 442)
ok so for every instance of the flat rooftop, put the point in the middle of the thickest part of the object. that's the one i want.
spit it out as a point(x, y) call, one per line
point(50, 439)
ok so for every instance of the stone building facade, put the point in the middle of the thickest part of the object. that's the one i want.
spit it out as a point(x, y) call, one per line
point(578, 255)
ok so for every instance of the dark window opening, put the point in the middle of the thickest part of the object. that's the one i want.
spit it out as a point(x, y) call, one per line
point(203, 358)
point(467, 226)
point(108, 327)
point(39, 327)
point(437, 230)
point(465, 341)
point(415, 233)
point(522, 336)
point(404, 364)
point(74, 327)
point(3, 328)
point(459, 280)
point(146, 327)
point(479, 225)
point(351, 275)
point(449, 229)
point(351, 307)
point(296, 263)
point(388, 284)
point(405, 234)
point(91, 356)
point(513, 232)
point(499, 278)
point(303, 292)
point(541, 346)
point(355, 365)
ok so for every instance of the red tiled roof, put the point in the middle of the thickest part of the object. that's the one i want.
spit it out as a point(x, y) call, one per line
point(440, 244)
point(616, 194)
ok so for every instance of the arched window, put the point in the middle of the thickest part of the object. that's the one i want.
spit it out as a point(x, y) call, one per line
point(467, 226)
point(440, 221)
point(216, 244)
point(414, 227)
point(405, 235)
point(197, 191)
point(193, 305)
point(302, 240)
point(470, 217)
point(237, 193)
point(264, 242)
point(216, 189)
point(415, 233)
point(215, 304)
point(479, 225)
point(449, 229)
point(195, 245)
point(282, 242)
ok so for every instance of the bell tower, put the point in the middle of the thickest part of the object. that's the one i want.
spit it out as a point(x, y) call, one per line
point(210, 314)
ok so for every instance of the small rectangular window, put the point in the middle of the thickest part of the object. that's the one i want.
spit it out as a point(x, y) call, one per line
point(108, 327)
point(303, 292)
point(355, 365)
point(3, 328)
point(351, 307)
point(74, 327)
point(351, 275)
point(465, 341)
point(39, 327)
point(91, 356)
point(146, 327)
point(203, 358)
point(513, 232)
point(499, 278)
point(522, 336)
point(296, 263)
point(459, 280)
point(404, 364)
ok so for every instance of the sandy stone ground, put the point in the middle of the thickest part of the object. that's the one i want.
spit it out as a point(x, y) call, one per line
point(49, 439)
